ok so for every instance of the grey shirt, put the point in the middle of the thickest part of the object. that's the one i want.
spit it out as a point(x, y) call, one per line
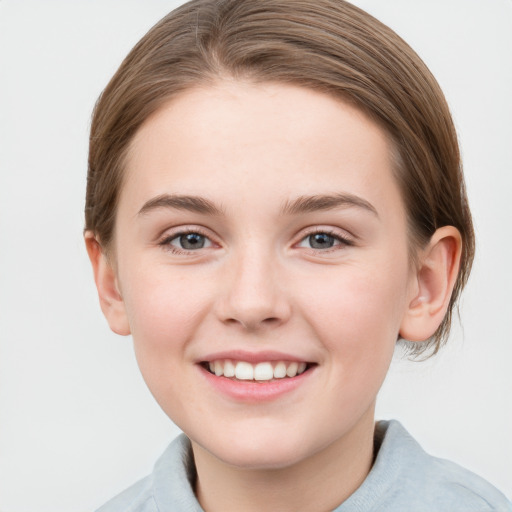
point(403, 478)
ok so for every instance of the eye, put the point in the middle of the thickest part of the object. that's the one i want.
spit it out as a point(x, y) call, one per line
point(190, 241)
point(323, 240)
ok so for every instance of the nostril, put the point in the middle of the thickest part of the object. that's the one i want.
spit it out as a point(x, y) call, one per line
point(251, 324)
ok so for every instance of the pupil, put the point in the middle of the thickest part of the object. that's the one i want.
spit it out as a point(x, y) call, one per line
point(321, 241)
point(192, 241)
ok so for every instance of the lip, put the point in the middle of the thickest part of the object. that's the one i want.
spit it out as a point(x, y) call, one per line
point(253, 357)
point(252, 391)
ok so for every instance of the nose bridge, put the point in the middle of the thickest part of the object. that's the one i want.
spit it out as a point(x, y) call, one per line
point(254, 297)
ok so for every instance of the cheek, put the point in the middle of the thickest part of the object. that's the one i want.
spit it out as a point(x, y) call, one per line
point(358, 310)
point(163, 306)
point(164, 310)
point(357, 318)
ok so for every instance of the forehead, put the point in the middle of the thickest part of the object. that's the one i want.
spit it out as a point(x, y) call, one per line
point(252, 141)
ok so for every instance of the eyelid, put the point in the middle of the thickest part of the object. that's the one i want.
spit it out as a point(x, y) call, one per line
point(172, 233)
point(345, 238)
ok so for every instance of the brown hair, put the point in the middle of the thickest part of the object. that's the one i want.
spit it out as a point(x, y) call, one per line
point(328, 45)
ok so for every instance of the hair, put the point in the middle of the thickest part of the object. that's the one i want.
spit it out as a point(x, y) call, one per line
point(327, 45)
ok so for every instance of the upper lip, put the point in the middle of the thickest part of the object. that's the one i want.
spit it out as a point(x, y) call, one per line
point(253, 357)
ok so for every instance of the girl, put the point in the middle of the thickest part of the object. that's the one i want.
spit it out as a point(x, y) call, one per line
point(274, 199)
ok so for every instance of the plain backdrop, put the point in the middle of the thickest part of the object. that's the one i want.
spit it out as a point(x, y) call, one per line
point(77, 424)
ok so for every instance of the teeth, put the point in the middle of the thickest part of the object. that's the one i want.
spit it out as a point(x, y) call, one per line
point(265, 371)
point(244, 371)
point(291, 371)
point(280, 370)
point(229, 369)
point(219, 368)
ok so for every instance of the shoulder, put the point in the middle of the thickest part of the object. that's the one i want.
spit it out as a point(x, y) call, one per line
point(433, 483)
point(137, 498)
point(406, 478)
point(168, 487)
point(446, 484)
point(459, 482)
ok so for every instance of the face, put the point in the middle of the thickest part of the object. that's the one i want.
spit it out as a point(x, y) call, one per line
point(262, 259)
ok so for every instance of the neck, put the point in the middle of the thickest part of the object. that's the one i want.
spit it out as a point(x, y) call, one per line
point(320, 483)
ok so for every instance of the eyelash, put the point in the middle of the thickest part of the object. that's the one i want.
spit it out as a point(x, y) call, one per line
point(166, 242)
point(343, 241)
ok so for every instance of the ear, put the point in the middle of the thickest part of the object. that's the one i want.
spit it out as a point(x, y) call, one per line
point(111, 301)
point(433, 284)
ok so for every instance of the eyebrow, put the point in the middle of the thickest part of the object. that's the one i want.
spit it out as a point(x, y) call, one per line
point(308, 204)
point(302, 204)
point(181, 202)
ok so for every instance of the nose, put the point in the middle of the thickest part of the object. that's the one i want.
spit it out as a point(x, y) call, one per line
point(254, 297)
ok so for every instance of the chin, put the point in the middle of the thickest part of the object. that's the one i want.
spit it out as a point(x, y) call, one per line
point(257, 450)
point(259, 458)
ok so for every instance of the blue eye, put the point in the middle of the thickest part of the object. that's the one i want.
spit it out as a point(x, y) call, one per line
point(323, 241)
point(188, 241)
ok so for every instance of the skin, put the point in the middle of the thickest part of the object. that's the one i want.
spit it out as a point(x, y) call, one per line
point(259, 285)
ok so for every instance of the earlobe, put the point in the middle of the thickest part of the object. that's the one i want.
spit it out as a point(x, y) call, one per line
point(111, 301)
point(434, 281)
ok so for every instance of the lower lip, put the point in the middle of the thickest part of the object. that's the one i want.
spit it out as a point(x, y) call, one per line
point(251, 391)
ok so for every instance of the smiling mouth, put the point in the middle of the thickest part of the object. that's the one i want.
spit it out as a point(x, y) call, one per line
point(260, 372)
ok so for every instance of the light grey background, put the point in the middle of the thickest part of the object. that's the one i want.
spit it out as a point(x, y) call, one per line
point(77, 424)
